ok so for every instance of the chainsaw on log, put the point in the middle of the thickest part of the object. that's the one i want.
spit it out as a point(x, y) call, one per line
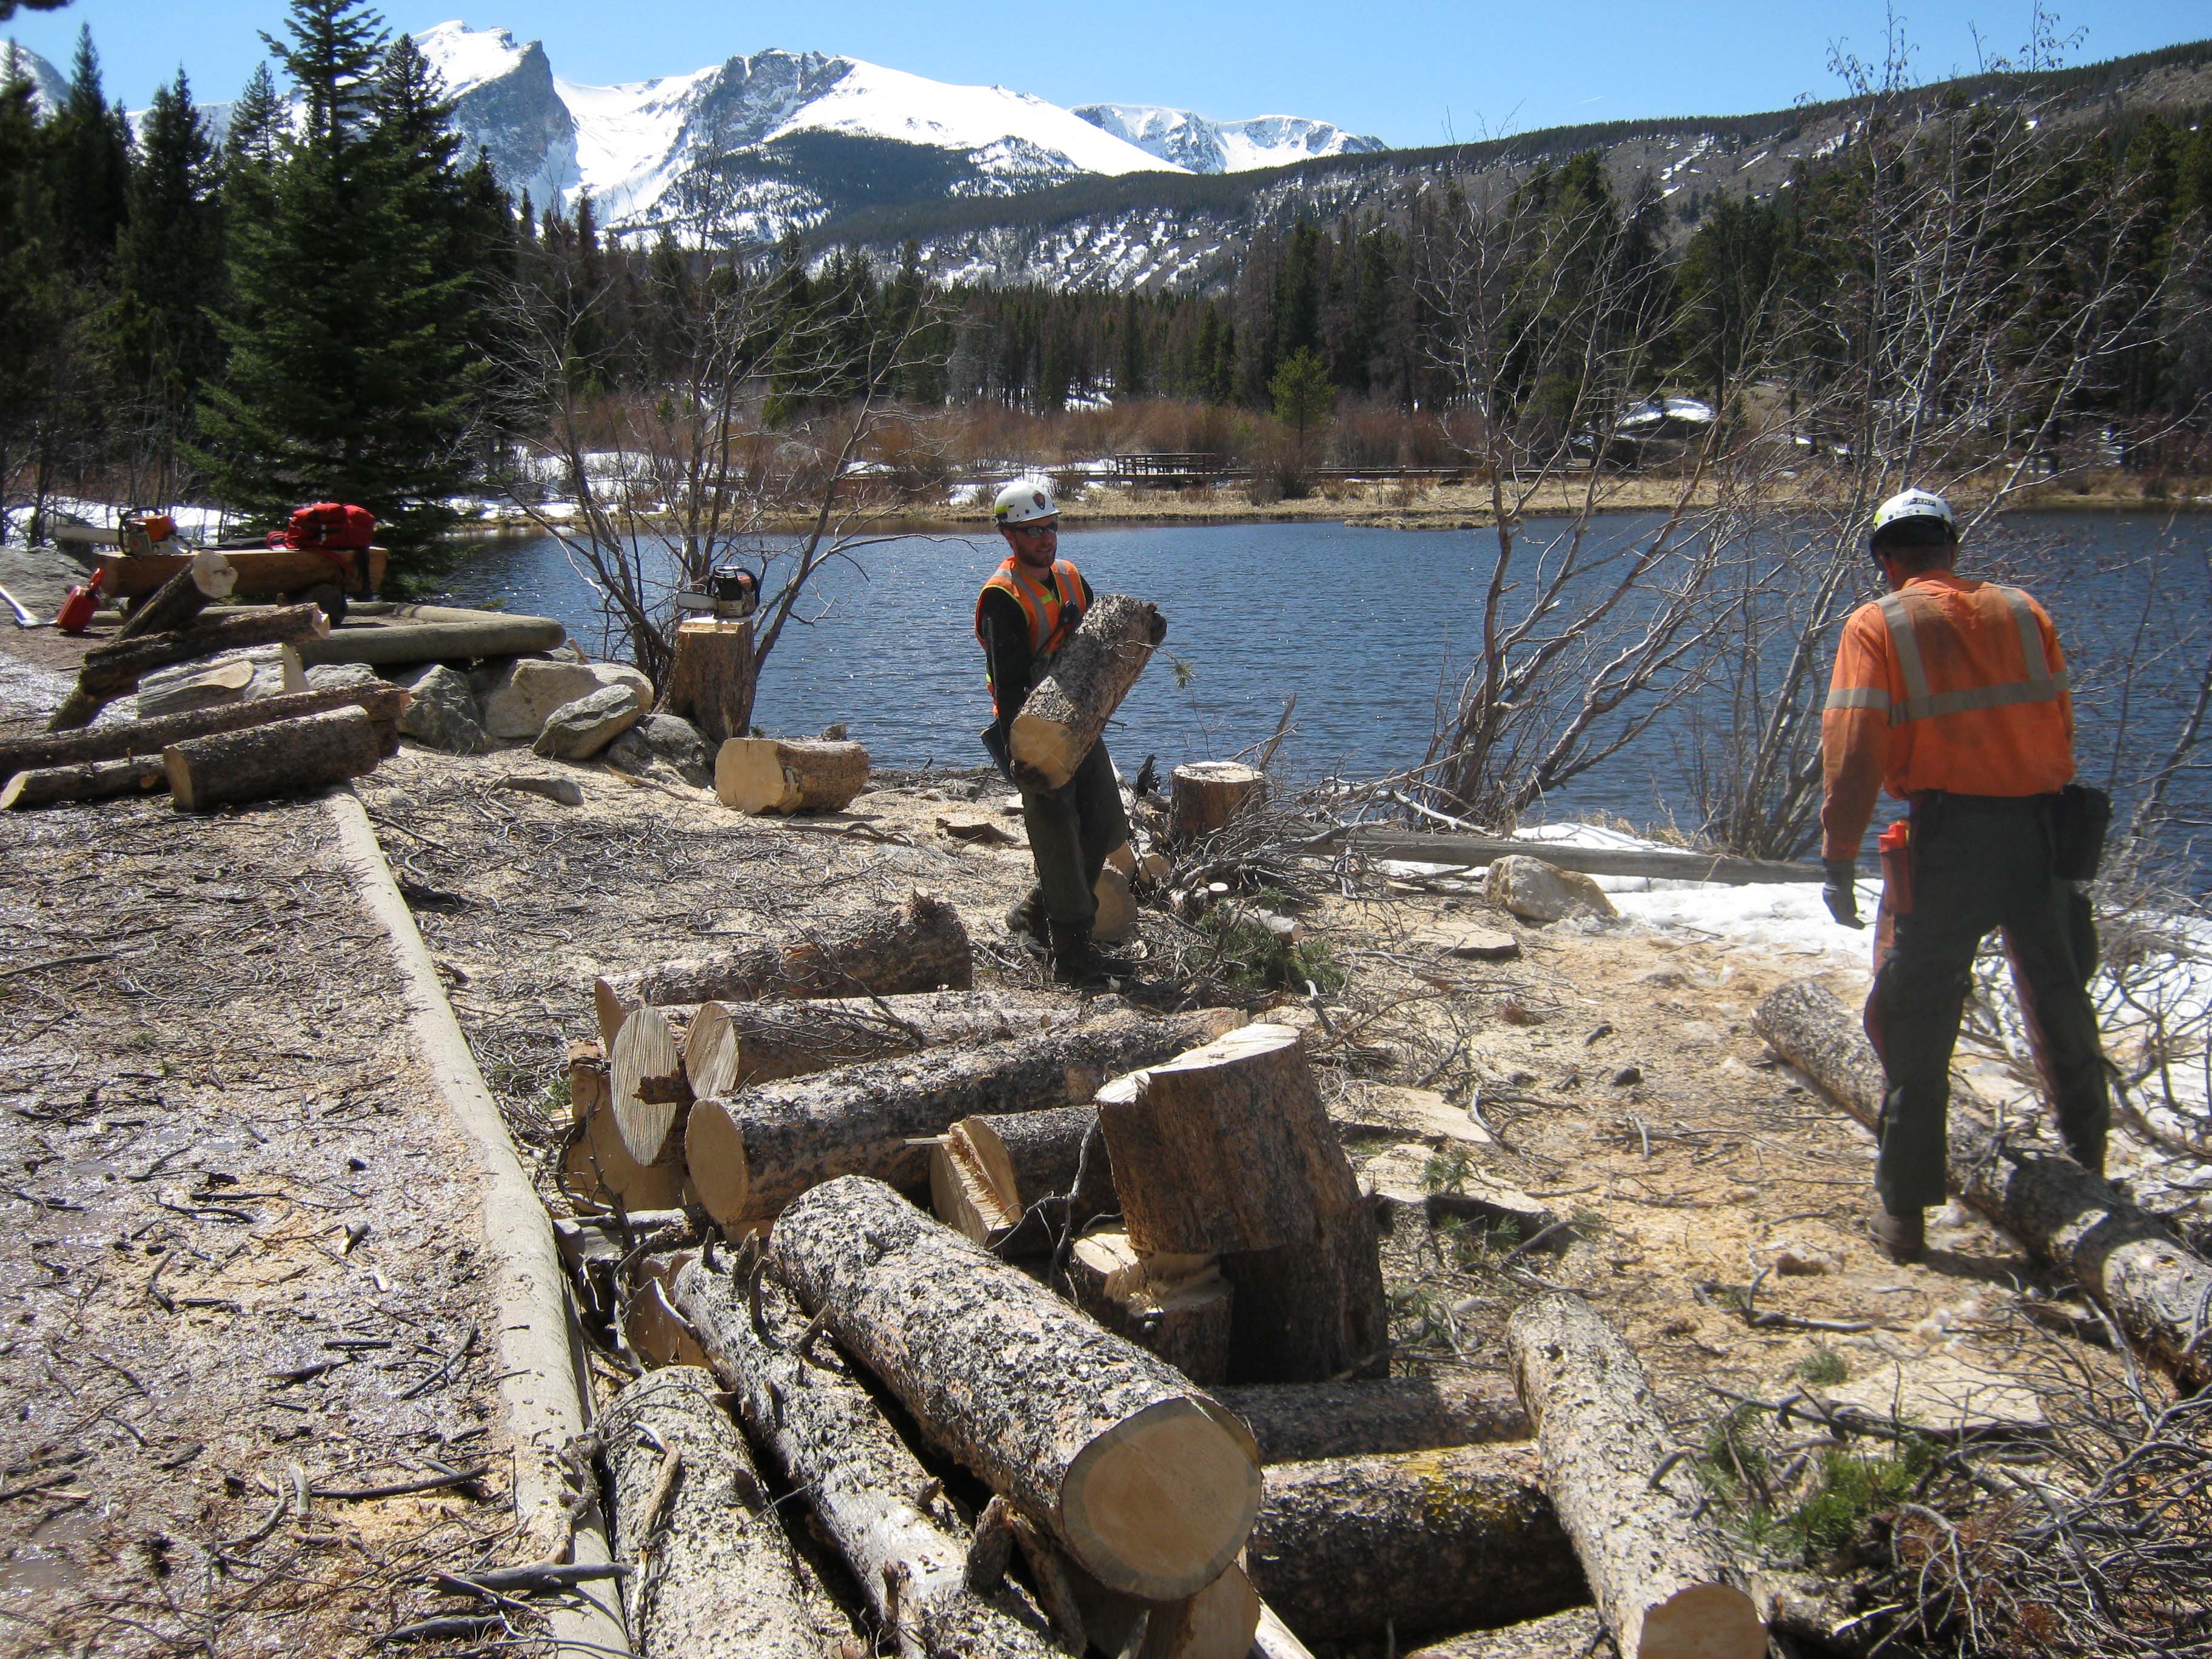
point(732, 592)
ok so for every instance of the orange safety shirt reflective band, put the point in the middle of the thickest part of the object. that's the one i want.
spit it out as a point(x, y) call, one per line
point(1040, 603)
point(2038, 683)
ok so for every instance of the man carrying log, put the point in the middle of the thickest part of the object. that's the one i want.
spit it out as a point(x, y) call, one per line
point(1028, 610)
point(1952, 695)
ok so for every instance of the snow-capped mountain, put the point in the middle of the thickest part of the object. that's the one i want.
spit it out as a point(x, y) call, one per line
point(751, 147)
point(48, 86)
point(1192, 141)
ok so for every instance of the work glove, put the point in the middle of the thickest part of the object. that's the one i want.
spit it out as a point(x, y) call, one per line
point(1841, 890)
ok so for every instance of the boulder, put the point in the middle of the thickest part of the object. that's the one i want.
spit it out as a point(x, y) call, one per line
point(679, 745)
point(324, 676)
point(577, 731)
point(1539, 892)
point(525, 693)
point(444, 714)
point(1484, 944)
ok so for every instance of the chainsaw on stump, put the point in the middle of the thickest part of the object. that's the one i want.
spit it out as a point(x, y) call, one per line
point(732, 592)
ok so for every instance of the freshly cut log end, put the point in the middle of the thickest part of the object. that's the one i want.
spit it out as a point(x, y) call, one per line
point(710, 1051)
point(650, 1091)
point(711, 680)
point(1207, 796)
point(1150, 1485)
point(991, 1177)
point(261, 760)
point(1064, 712)
point(93, 781)
point(1658, 1564)
point(209, 575)
point(597, 1170)
point(714, 1153)
point(1177, 1308)
point(768, 774)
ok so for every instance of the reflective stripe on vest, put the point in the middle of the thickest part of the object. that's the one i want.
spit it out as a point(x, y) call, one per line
point(1920, 702)
point(1040, 604)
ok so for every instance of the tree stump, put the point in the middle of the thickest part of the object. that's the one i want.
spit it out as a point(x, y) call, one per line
point(1177, 1308)
point(919, 945)
point(1149, 1485)
point(1299, 1422)
point(234, 767)
point(1064, 712)
point(650, 1092)
point(817, 1419)
point(1208, 795)
point(771, 775)
point(207, 576)
point(1658, 1566)
point(712, 1576)
point(711, 679)
point(48, 786)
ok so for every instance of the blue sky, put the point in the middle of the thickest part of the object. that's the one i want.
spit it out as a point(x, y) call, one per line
point(1414, 72)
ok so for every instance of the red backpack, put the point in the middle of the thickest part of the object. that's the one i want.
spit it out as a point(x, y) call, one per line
point(331, 525)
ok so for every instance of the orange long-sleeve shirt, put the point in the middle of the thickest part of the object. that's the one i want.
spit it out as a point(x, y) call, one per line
point(1947, 683)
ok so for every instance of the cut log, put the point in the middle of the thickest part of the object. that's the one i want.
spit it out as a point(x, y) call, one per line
point(205, 773)
point(1658, 1564)
point(252, 676)
point(1064, 712)
point(435, 633)
point(1228, 1147)
point(650, 1092)
point(597, 1170)
point(1117, 917)
point(1177, 1308)
point(1299, 1422)
point(48, 786)
point(1568, 1635)
point(2154, 1286)
point(992, 1178)
point(383, 704)
point(778, 1040)
point(1207, 796)
point(207, 576)
point(823, 1429)
point(751, 1153)
point(1148, 1485)
point(113, 669)
point(768, 774)
point(260, 571)
point(711, 1053)
point(1218, 1623)
point(1431, 1541)
point(919, 945)
point(712, 1576)
point(711, 679)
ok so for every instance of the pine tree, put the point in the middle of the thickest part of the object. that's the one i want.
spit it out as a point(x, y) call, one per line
point(170, 276)
point(89, 175)
point(28, 306)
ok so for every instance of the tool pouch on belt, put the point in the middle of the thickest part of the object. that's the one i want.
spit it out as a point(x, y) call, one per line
point(2081, 817)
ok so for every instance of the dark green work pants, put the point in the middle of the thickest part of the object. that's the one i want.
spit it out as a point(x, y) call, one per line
point(1072, 829)
point(1979, 863)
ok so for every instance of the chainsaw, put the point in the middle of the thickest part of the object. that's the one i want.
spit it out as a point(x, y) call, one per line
point(732, 592)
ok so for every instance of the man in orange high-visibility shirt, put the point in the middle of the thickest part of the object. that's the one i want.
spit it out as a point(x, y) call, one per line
point(1028, 610)
point(1951, 694)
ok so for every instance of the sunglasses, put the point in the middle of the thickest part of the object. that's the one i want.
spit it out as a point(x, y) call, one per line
point(1030, 529)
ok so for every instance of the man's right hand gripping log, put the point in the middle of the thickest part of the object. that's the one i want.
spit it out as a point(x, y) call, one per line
point(1028, 610)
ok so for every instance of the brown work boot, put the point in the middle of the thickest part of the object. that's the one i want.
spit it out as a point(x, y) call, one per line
point(1902, 1238)
point(1077, 960)
point(1025, 922)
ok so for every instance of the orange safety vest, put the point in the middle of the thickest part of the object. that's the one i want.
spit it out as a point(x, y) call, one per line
point(1946, 683)
point(1043, 604)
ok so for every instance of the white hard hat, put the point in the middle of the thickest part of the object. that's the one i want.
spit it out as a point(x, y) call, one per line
point(1915, 504)
point(1024, 501)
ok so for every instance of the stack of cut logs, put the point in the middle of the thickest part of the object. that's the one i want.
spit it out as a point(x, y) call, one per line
point(1147, 1322)
point(226, 716)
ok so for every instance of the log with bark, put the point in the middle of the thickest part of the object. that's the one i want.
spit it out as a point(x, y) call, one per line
point(648, 1088)
point(207, 576)
point(249, 676)
point(597, 1168)
point(771, 775)
point(1009, 1181)
point(2156, 1288)
point(1218, 1623)
point(774, 1040)
point(1567, 1635)
point(752, 1152)
point(1299, 1422)
point(1148, 1485)
point(919, 945)
point(1659, 1566)
point(383, 704)
point(1178, 1308)
point(48, 786)
point(1311, 1310)
point(261, 760)
point(435, 633)
point(1207, 796)
point(1431, 1541)
point(877, 1506)
point(712, 1575)
point(1064, 712)
point(113, 669)
point(711, 678)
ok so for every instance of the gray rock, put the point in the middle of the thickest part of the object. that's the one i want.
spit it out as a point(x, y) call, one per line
point(529, 690)
point(579, 729)
point(444, 714)
point(326, 676)
point(674, 739)
point(565, 792)
point(1539, 892)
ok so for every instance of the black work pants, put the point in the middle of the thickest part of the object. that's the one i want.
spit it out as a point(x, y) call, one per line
point(1072, 829)
point(1980, 863)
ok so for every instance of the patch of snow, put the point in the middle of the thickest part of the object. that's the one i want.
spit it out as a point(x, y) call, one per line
point(468, 58)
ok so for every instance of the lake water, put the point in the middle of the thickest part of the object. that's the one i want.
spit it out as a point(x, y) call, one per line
point(1364, 624)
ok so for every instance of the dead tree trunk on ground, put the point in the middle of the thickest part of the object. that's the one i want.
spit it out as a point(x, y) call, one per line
point(383, 703)
point(1149, 1485)
point(1658, 1564)
point(1298, 1422)
point(207, 576)
point(48, 786)
point(650, 1092)
point(775, 1040)
point(1064, 712)
point(712, 1574)
point(261, 760)
point(2157, 1289)
point(113, 669)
